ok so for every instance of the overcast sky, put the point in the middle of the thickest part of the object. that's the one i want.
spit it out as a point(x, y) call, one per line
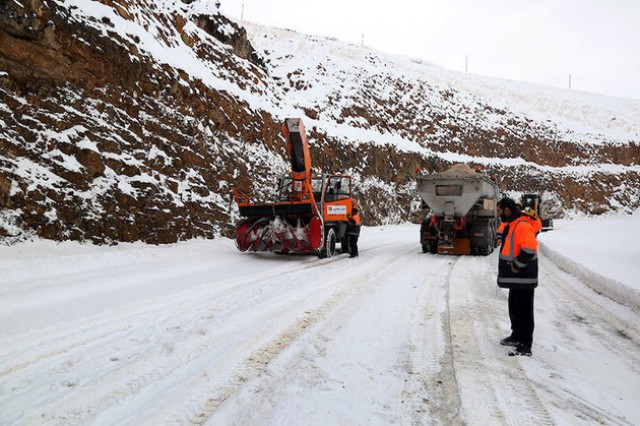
point(597, 42)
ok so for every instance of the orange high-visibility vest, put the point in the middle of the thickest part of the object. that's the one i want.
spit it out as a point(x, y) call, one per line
point(519, 248)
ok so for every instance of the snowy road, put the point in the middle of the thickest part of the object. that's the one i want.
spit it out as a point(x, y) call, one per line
point(198, 333)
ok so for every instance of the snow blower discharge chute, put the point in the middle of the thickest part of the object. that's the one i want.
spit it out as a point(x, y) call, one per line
point(310, 214)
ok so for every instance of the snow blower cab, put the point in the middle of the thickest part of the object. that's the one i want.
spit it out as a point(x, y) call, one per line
point(311, 211)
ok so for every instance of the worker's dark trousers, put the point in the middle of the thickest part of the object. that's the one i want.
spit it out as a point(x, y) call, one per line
point(353, 245)
point(521, 315)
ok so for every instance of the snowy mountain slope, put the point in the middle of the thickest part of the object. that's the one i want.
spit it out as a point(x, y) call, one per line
point(571, 144)
point(341, 70)
point(133, 120)
point(198, 332)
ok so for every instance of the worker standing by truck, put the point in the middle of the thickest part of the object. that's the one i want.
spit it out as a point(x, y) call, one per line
point(518, 271)
point(353, 230)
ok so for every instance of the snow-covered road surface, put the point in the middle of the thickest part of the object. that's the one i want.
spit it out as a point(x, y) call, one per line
point(198, 333)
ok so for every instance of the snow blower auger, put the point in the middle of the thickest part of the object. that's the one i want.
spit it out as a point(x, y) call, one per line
point(310, 214)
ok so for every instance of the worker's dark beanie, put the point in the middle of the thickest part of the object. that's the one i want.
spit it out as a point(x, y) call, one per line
point(508, 203)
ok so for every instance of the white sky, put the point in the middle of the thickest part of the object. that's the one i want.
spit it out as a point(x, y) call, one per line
point(597, 42)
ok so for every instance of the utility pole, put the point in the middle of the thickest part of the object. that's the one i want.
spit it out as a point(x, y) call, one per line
point(466, 64)
point(362, 42)
point(569, 81)
point(242, 13)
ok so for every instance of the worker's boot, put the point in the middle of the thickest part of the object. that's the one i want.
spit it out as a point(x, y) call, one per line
point(521, 350)
point(509, 341)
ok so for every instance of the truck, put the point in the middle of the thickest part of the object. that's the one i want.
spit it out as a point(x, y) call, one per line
point(462, 216)
point(532, 203)
point(311, 210)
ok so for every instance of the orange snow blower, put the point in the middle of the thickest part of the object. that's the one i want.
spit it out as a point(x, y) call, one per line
point(310, 214)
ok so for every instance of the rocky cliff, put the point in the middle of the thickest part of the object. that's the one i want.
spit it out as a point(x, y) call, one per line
point(126, 120)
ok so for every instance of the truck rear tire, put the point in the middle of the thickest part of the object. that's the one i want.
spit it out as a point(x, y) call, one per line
point(484, 244)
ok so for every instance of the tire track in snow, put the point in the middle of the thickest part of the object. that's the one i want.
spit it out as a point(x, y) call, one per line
point(255, 366)
point(305, 342)
point(433, 392)
point(229, 349)
point(244, 338)
point(99, 347)
point(28, 354)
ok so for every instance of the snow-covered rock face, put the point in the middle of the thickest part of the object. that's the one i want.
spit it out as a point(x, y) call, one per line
point(103, 137)
point(127, 120)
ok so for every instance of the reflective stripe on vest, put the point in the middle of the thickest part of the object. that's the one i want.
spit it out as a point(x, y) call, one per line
point(514, 280)
point(522, 265)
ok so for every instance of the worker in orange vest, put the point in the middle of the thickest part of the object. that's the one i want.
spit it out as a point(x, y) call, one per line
point(353, 231)
point(518, 271)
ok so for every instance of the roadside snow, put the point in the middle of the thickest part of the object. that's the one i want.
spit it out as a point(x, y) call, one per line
point(603, 252)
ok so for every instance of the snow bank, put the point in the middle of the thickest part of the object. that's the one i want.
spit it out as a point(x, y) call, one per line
point(603, 252)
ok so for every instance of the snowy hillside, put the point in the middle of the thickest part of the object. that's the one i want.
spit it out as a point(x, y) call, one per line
point(199, 333)
point(336, 72)
point(134, 120)
point(535, 138)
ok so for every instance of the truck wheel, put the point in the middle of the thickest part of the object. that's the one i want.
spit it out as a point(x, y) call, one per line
point(329, 248)
point(491, 232)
